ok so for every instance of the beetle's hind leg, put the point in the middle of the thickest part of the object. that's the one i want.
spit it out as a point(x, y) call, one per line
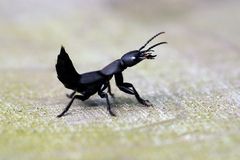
point(81, 97)
point(71, 95)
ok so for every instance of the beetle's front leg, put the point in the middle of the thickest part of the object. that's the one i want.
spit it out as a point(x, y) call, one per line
point(129, 88)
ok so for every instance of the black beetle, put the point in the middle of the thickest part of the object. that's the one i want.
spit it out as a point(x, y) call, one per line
point(87, 84)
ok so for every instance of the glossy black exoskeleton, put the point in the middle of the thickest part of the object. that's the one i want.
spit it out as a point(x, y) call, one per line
point(90, 83)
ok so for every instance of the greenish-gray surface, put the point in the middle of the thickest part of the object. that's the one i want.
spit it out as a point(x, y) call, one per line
point(194, 83)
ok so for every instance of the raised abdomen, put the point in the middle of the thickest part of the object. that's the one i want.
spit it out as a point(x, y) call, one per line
point(66, 72)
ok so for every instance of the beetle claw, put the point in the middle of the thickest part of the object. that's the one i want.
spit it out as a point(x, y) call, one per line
point(149, 56)
point(147, 103)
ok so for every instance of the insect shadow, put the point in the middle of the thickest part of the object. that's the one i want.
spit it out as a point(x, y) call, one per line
point(118, 103)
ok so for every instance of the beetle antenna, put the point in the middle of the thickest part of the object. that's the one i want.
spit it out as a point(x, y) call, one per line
point(150, 40)
point(156, 45)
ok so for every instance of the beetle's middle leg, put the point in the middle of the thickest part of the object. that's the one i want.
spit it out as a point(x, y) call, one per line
point(105, 95)
point(130, 89)
point(109, 90)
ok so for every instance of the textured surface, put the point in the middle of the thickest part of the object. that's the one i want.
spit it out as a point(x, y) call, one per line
point(194, 83)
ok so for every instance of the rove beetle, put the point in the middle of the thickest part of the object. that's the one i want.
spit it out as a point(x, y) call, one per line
point(87, 84)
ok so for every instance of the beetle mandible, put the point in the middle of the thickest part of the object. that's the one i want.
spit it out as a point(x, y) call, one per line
point(90, 83)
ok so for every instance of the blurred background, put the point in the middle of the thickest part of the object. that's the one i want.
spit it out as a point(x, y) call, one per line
point(193, 83)
point(33, 31)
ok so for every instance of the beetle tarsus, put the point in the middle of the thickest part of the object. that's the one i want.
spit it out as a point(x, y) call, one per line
point(146, 103)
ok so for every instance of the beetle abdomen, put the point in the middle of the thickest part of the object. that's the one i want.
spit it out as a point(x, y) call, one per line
point(66, 72)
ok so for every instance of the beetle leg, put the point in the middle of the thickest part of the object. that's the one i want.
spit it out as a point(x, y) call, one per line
point(81, 97)
point(109, 90)
point(130, 89)
point(71, 95)
point(105, 95)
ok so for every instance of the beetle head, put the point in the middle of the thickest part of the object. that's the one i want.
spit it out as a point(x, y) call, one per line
point(133, 57)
